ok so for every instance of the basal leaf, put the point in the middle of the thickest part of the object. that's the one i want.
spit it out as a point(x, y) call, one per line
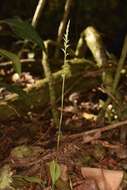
point(14, 58)
point(54, 171)
point(24, 30)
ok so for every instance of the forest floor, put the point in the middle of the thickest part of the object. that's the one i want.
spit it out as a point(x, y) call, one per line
point(29, 144)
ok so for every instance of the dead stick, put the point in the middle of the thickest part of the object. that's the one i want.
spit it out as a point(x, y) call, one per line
point(62, 26)
point(7, 63)
point(99, 130)
point(38, 12)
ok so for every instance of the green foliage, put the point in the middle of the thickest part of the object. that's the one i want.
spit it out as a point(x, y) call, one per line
point(20, 180)
point(14, 58)
point(21, 151)
point(24, 30)
point(54, 171)
point(33, 179)
point(5, 177)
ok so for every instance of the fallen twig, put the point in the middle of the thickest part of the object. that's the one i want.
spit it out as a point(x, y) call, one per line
point(99, 130)
point(6, 63)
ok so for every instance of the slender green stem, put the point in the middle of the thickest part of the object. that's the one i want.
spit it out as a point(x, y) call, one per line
point(61, 114)
point(66, 45)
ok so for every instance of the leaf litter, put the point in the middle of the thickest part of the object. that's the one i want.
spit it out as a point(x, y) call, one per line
point(88, 160)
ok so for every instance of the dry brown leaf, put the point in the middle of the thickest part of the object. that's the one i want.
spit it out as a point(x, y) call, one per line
point(106, 179)
point(64, 172)
point(63, 181)
point(89, 184)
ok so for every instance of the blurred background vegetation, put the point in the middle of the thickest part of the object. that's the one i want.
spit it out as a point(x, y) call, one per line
point(108, 16)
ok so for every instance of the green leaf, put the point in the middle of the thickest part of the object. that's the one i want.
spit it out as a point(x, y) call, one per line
point(30, 179)
point(54, 171)
point(33, 179)
point(14, 58)
point(24, 30)
point(19, 181)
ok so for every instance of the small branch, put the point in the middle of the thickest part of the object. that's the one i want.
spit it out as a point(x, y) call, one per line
point(99, 130)
point(120, 65)
point(59, 61)
point(63, 23)
point(38, 12)
point(49, 77)
point(6, 63)
point(95, 44)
